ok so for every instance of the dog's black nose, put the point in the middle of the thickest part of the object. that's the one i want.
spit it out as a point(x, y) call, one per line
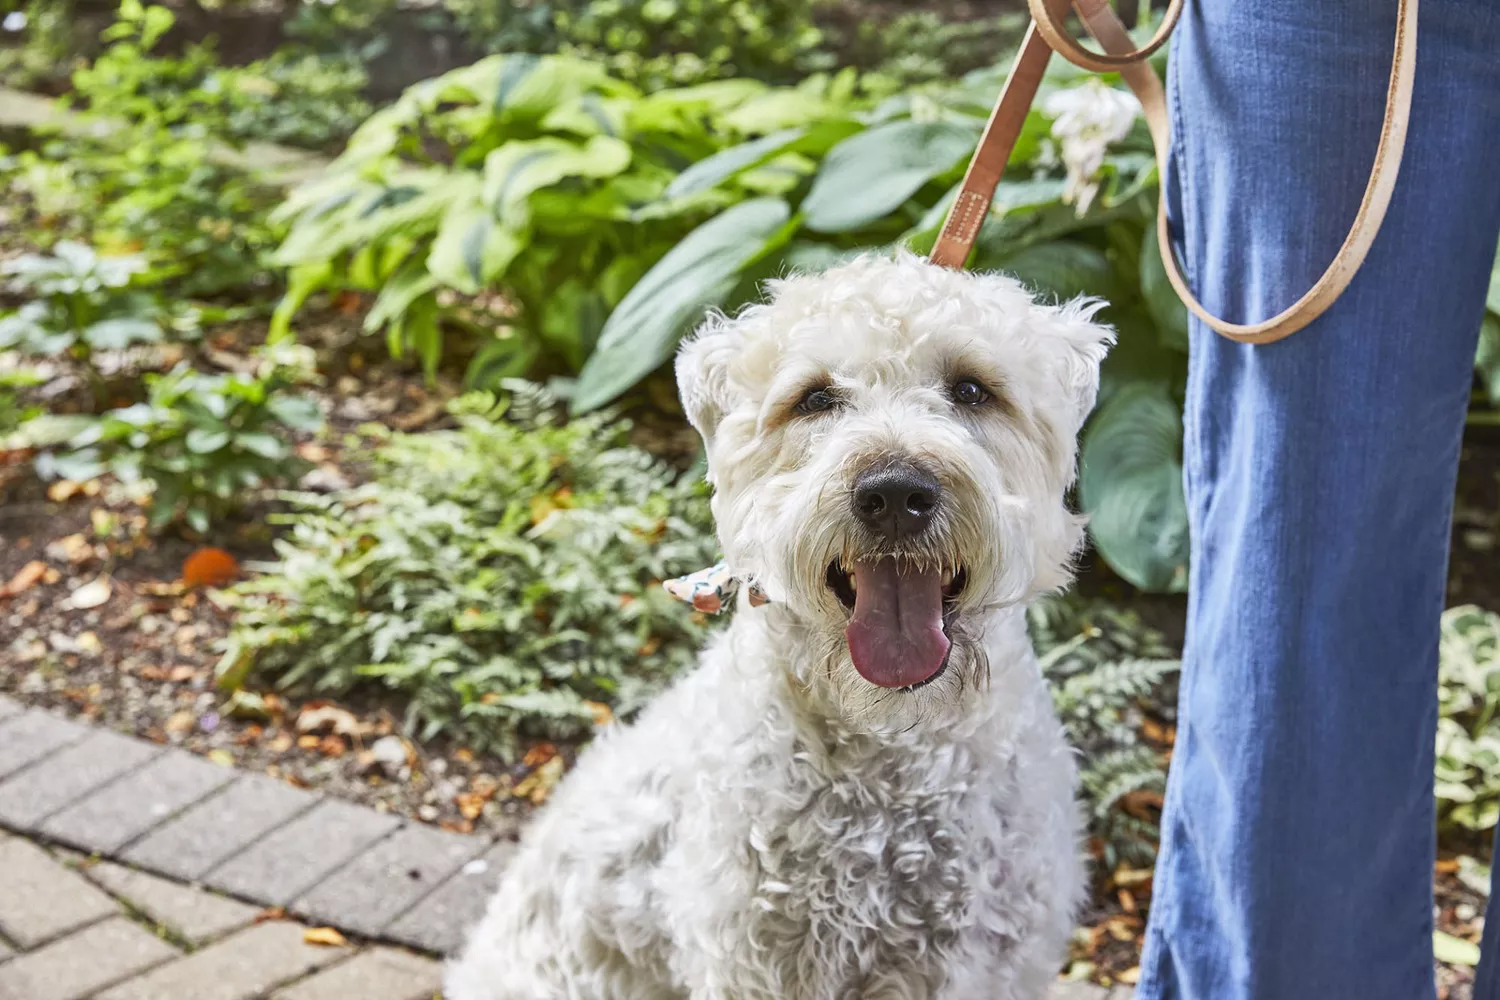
point(896, 500)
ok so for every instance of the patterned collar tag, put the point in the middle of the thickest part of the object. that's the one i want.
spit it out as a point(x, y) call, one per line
point(713, 590)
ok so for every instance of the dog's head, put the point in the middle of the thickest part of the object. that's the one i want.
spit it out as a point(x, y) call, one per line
point(890, 444)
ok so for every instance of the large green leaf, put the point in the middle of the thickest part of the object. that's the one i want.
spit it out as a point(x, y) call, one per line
point(1454, 951)
point(697, 273)
point(1130, 484)
point(1167, 310)
point(1065, 269)
point(472, 248)
point(516, 170)
point(814, 140)
point(870, 175)
point(726, 163)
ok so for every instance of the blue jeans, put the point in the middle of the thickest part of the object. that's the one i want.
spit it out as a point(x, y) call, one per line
point(1298, 835)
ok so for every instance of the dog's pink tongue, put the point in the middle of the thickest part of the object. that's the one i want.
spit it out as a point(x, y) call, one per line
point(896, 636)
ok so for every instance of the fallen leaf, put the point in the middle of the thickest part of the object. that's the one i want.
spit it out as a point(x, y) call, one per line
point(271, 913)
point(1130, 976)
point(308, 742)
point(1454, 951)
point(24, 579)
point(89, 643)
point(1158, 733)
point(1127, 901)
point(221, 757)
point(325, 936)
point(470, 804)
point(320, 715)
point(1143, 804)
point(103, 522)
point(538, 755)
point(66, 489)
point(312, 452)
point(1120, 928)
point(72, 549)
point(333, 746)
point(90, 595)
point(1127, 877)
point(182, 673)
point(600, 711)
point(209, 567)
point(537, 785)
point(181, 722)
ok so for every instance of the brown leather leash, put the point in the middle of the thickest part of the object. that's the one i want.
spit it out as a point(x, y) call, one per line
point(1048, 33)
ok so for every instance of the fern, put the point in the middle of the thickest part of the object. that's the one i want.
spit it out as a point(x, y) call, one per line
point(500, 578)
point(1107, 672)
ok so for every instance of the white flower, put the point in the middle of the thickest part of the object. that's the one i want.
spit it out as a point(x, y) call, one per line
point(14, 21)
point(1086, 119)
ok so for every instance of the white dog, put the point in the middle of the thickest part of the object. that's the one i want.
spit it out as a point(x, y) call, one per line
point(862, 792)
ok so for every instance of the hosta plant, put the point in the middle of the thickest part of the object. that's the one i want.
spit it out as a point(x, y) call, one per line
point(510, 205)
point(497, 578)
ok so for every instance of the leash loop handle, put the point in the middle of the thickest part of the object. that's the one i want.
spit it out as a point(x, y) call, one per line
point(1048, 33)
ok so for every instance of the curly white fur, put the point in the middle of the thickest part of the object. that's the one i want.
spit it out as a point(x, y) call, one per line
point(774, 827)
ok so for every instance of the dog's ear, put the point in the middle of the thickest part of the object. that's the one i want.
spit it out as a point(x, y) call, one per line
point(1078, 346)
point(703, 374)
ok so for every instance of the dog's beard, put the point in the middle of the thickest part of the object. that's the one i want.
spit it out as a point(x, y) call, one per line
point(827, 674)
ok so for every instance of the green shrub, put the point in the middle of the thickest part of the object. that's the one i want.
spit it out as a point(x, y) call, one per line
point(1468, 737)
point(202, 441)
point(498, 577)
point(296, 98)
point(78, 304)
point(148, 176)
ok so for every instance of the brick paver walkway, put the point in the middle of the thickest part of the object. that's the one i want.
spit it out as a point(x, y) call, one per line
point(72, 927)
point(133, 871)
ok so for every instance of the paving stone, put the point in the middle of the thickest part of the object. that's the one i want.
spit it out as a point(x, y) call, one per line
point(114, 816)
point(42, 898)
point(383, 882)
point(376, 974)
point(75, 966)
point(9, 706)
point(291, 860)
point(195, 915)
point(439, 922)
point(33, 735)
point(26, 799)
point(190, 845)
point(5, 951)
point(1078, 991)
point(244, 965)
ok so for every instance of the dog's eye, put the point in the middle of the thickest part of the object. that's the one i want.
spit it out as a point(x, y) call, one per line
point(969, 393)
point(817, 401)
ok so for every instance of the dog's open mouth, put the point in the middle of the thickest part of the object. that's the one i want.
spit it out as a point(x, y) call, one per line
point(901, 615)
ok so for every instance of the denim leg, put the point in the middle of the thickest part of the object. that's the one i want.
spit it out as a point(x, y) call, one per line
point(1298, 833)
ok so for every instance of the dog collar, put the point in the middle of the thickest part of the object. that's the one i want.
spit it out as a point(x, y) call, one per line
point(713, 589)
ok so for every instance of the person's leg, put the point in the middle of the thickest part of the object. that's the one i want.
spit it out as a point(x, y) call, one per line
point(1298, 831)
